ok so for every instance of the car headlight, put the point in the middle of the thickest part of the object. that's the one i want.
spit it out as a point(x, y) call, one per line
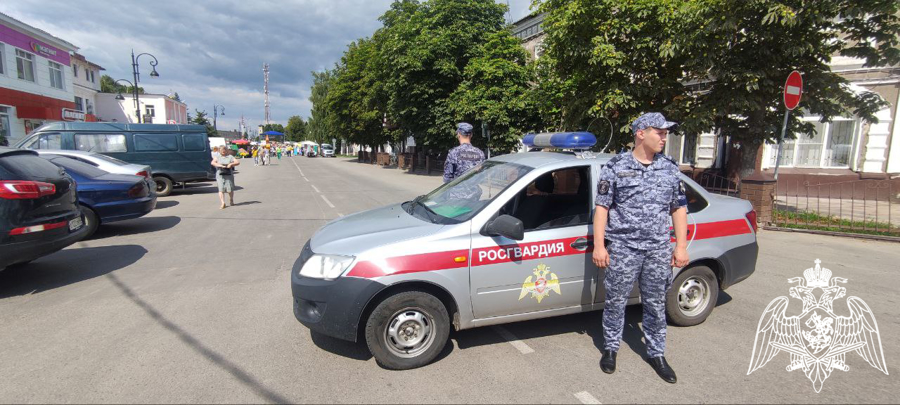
point(328, 267)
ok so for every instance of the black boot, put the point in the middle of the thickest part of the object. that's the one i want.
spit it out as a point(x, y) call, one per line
point(608, 362)
point(663, 370)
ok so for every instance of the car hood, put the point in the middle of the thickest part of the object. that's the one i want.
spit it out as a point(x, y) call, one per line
point(354, 234)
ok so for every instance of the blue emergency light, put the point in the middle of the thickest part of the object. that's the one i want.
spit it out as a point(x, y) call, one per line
point(561, 140)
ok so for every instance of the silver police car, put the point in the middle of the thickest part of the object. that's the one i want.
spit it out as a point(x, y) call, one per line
point(508, 241)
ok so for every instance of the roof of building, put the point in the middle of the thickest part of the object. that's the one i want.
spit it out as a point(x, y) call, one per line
point(527, 18)
point(81, 57)
point(49, 36)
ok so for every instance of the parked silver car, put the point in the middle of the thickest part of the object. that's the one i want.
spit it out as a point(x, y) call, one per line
point(102, 162)
point(508, 241)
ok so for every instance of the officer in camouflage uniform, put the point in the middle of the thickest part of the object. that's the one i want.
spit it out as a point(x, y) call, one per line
point(636, 194)
point(460, 159)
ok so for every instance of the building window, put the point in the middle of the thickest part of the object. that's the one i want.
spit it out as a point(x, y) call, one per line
point(151, 111)
point(25, 65)
point(2, 60)
point(92, 77)
point(689, 152)
point(809, 146)
point(79, 103)
point(4, 123)
point(87, 73)
point(839, 143)
point(56, 75)
point(75, 70)
point(89, 105)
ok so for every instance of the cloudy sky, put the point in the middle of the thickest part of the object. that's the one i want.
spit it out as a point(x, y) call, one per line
point(212, 52)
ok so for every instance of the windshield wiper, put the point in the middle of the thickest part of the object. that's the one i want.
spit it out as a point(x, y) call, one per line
point(432, 216)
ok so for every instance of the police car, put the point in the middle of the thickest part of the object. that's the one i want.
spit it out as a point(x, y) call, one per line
point(516, 247)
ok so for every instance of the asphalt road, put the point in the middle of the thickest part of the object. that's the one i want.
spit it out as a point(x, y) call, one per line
point(193, 304)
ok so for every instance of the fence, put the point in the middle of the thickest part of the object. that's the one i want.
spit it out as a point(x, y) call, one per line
point(858, 206)
point(718, 185)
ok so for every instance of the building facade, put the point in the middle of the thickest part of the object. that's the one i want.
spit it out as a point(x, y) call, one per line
point(86, 78)
point(36, 83)
point(154, 109)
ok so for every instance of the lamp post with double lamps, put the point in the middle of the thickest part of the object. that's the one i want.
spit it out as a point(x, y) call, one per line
point(216, 113)
point(134, 69)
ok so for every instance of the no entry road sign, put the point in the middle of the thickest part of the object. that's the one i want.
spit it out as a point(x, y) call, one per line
point(793, 89)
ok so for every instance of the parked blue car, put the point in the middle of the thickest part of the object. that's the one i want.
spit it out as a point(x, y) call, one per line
point(105, 197)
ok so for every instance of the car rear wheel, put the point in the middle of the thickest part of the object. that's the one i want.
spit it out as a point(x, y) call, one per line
point(692, 297)
point(91, 221)
point(407, 330)
point(163, 186)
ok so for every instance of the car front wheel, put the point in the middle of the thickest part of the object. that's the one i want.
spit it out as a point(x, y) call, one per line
point(407, 330)
point(692, 297)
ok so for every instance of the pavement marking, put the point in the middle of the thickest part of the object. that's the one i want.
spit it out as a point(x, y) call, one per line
point(513, 340)
point(307, 180)
point(326, 201)
point(317, 190)
point(586, 398)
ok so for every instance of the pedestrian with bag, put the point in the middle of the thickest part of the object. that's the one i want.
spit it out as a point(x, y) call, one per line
point(224, 165)
point(637, 193)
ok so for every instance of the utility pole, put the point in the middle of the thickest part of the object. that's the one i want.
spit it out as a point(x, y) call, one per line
point(266, 88)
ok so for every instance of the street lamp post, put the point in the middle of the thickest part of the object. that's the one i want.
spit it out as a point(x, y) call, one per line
point(216, 113)
point(134, 69)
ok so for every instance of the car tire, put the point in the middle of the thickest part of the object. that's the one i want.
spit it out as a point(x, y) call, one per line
point(418, 318)
point(164, 186)
point(91, 221)
point(692, 297)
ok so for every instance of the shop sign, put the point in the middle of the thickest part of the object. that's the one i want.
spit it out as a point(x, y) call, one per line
point(43, 49)
point(69, 114)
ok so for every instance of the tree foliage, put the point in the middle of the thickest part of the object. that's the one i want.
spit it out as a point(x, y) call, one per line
point(317, 125)
point(109, 85)
point(295, 130)
point(708, 63)
point(201, 119)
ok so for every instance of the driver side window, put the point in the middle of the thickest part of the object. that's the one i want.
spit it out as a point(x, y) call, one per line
point(555, 199)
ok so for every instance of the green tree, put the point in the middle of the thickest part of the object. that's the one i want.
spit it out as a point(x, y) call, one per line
point(317, 125)
point(425, 52)
point(109, 85)
point(296, 129)
point(496, 90)
point(708, 63)
point(352, 107)
point(201, 119)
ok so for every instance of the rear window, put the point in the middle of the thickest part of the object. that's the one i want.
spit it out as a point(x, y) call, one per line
point(155, 143)
point(100, 143)
point(26, 167)
point(75, 166)
point(194, 142)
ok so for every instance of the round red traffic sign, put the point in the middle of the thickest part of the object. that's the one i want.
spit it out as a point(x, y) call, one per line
point(793, 89)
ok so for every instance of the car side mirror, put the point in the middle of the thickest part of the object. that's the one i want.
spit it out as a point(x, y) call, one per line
point(506, 226)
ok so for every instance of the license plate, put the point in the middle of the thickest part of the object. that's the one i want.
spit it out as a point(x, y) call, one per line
point(75, 224)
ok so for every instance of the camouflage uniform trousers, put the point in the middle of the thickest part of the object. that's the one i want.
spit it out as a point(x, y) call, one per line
point(653, 270)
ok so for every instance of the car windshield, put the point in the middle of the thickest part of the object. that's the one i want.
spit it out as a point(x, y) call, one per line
point(459, 200)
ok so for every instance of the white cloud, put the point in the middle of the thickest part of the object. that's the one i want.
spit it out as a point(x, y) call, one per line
point(212, 51)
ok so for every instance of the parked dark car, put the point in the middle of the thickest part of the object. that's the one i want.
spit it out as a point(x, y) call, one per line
point(38, 208)
point(176, 153)
point(105, 197)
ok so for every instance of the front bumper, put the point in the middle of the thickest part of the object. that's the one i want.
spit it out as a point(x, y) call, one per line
point(20, 252)
point(332, 308)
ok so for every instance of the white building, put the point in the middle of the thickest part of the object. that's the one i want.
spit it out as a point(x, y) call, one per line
point(36, 83)
point(86, 78)
point(155, 109)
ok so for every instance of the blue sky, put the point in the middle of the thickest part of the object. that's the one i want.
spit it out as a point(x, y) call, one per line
point(212, 52)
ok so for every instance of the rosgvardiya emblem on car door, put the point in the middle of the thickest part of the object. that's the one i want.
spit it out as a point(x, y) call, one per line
point(540, 284)
point(818, 340)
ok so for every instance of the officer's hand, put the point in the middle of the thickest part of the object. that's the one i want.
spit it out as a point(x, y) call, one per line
point(680, 257)
point(601, 257)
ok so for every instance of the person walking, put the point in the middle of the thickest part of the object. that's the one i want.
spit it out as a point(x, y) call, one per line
point(265, 156)
point(637, 192)
point(225, 176)
point(278, 152)
point(255, 156)
point(463, 157)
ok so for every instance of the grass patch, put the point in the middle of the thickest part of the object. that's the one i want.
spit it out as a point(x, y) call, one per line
point(814, 221)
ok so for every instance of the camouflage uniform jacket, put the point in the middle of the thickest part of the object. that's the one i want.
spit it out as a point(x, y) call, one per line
point(460, 159)
point(640, 199)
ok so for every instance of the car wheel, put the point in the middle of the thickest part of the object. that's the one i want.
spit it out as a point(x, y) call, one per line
point(407, 330)
point(692, 297)
point(91, 221)
point(163, 186)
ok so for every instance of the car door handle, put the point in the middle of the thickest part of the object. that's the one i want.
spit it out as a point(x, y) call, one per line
point(580, 244)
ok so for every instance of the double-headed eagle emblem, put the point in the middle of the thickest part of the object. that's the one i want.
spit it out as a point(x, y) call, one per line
point(817, 339)
point(540, 284)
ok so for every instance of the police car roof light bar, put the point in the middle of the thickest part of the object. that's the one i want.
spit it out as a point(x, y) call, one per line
point(561, 140)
